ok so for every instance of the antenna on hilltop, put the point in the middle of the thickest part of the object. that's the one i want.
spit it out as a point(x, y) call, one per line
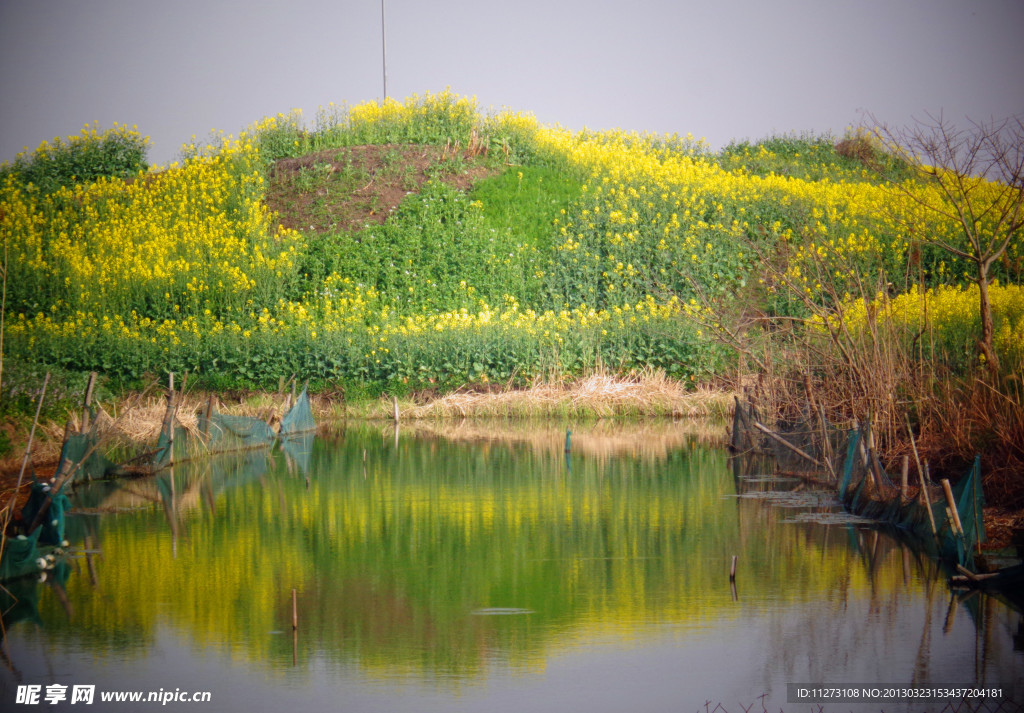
point(384, 51)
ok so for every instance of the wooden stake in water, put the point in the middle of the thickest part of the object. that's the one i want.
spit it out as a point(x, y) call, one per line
point(89, 550)
point(951, 501)
point(85, 401)
point(904, 473)
point(826, 443)
point(168, 424)
point(732, 579)
point(734, 441)
point(950, 613)
point(295, 628)
point(928, 502)
point(172, 515)
point(874, 469)
point(209, 414)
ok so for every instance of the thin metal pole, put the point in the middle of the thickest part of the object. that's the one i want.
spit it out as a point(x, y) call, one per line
point(384, 51)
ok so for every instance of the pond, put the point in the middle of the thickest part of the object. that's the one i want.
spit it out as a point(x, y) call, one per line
point(476, 568)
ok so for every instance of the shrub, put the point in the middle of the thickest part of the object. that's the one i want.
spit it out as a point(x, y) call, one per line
point(119, 152)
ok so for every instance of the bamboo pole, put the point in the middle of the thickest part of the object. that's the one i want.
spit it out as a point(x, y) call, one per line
point(735, 424)
point(295, 628)
point(8, 507)
point(975, 475)
point(170, 509)
point(66, 471)
point(875, 469)
point(93, 579)
point(826, 443)
point(742, 417)
point(975, 577)
point(951, 501)
point(760, 427)
point(819, 413)
point(924, 484)
point(913, 445)
point(904, 472)
point(168, 425)
point(85, 401)
point(209, 414)
point(31, 437)
point(295, 609)
point(927, 500)
point(950, 614)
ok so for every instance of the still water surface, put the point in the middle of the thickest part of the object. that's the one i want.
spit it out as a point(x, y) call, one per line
point(487, 570)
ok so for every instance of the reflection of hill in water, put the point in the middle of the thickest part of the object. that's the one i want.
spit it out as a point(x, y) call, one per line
point(395, 545)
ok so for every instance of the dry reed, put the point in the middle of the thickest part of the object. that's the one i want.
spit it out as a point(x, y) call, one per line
point(598, 394)
point(144, 421)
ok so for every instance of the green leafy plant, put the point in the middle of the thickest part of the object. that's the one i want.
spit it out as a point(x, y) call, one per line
point(119, 152)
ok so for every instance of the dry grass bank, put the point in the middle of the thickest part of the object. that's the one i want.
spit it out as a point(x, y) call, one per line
point(600, 394)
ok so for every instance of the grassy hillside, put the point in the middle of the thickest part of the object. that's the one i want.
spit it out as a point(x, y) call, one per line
point(423, 244)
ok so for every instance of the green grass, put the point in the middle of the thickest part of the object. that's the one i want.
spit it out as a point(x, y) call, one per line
point(525, 201)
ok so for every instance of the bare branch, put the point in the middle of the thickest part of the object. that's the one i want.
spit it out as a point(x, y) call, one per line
point(979, 174)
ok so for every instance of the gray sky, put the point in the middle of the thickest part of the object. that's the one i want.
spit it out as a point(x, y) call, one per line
point(722, 70)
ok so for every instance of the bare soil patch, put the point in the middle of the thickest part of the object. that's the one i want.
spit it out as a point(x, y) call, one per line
point(345, 189)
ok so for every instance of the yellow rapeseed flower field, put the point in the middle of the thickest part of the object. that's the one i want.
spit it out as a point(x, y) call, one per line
point(185, 267)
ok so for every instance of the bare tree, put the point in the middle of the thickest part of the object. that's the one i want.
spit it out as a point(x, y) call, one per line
point(3, 313)
point(978, 176)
